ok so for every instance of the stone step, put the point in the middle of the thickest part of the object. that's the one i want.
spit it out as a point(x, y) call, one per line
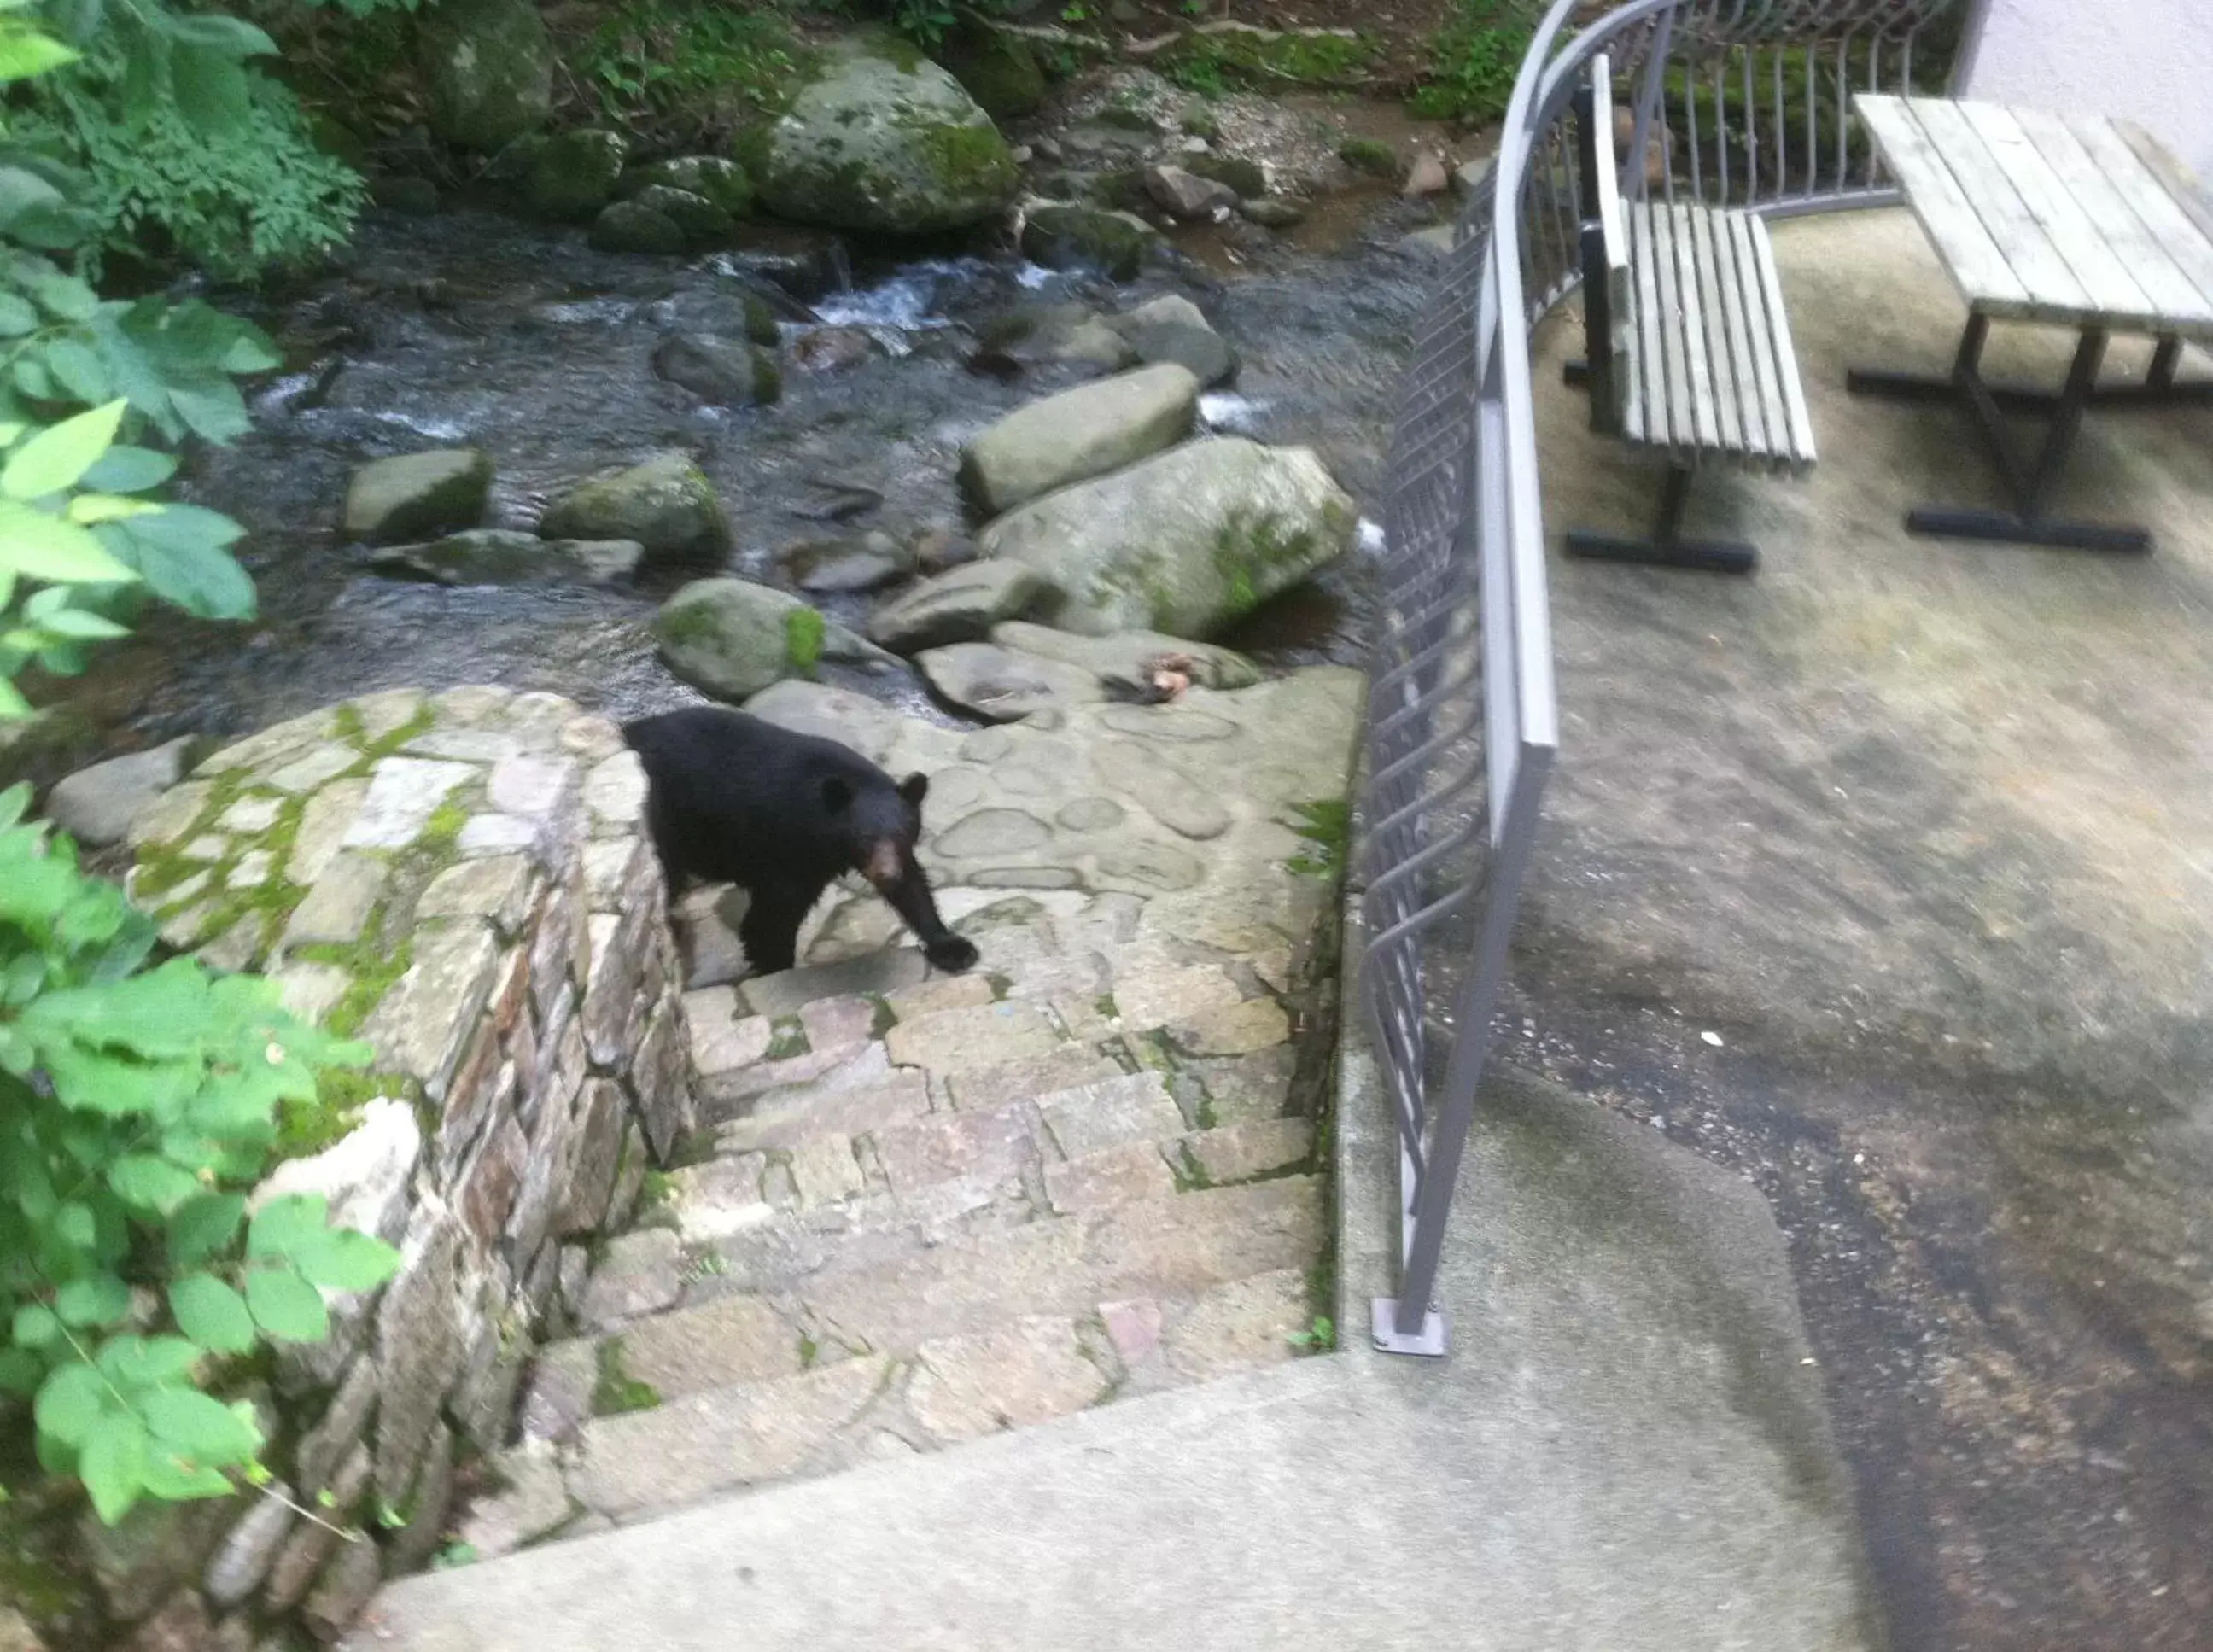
point(828, 1295)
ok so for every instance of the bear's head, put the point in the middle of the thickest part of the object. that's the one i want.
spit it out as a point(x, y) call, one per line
point(879, 825)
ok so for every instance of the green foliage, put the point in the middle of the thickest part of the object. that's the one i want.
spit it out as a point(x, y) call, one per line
point(1326, 825)
point(137, 1108)
point(1264, 61)
point(251, 194)
point(1318, 1337)
point(679, 73)
point(1473, 60)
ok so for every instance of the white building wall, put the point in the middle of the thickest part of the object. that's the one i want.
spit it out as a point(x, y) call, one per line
point(2150, 61)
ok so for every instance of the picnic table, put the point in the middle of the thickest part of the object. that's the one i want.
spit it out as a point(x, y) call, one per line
point(2072, 221)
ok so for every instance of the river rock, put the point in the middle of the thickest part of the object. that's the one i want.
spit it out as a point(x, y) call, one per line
point(1271, 212)
point(1077, 435)
point(415, 197)
point(1183, 543)
point(1004, 685)
point(1244, 178)
point(832, 349)
point(879, 139)
point(996, 67)
point(732, 638)
point(1186, 195)
point(487, 71)
point(97, 806)
point(666, 504)
point(1427, 176)
point(712, 177)
point(722, 373)
point(636, 227)
point(703, 224)
point(829, 566)
point(495, 556)
point(1066, 237)
point(960, 605)
point(1173, 329)
point(394, 499)
point(1054, 334)
point(575, 173)
point(1130, 662)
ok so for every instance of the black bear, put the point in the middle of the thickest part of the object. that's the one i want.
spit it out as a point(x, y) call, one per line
point(732, 799)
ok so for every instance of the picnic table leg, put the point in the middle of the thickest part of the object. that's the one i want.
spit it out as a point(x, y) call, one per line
point(2027, 524)
point(2161, 387)
point(1666, 548)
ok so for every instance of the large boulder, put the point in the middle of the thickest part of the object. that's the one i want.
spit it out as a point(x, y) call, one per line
point(487, 69)
point(1077, 435)
point(1185, 542)
point(666, 504)
point(418, 493)
point(879, 139)
point(574, 175)
point(1089, 239)
point(98, 806)
point(732, 638)
point(1172, 328)
point(718, 371)
point(637, 227)
point(703, 224)
point(960, 605)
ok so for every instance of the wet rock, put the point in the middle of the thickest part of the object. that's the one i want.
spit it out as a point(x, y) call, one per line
point(575, 175)
point(417, 197)
point(1004, 685)
point(154, 1550)
point(861, 565)
point(1244, 178)
point(344, 1589)
point(1183, 543)
point(936, 549)
point(181, 1625)
point(1050, 334)
point(731, 638)
point(635, 227)
point(960, 606)
point(497, 555)
point(487, 71)
point(1186, 195)
point(1132, 664)
point(250, 1549)
point(704, 222)
point(832, 349)
point(1077, 435)
point(97, 806)
point(1271, 213)
point(1067, 237)
point(801, 264)
point(877, 137)
point(1173, 329)
point(996, 67)
point(721, 374)
point(722, 183)
point(666, 504)
point(405, 498)
point(1369, 155)
point(1437, 241)
point(1427, 176)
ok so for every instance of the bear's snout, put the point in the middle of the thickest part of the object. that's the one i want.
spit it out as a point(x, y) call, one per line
point(885, 865)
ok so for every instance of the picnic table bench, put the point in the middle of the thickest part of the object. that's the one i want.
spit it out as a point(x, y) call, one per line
point(2073, 221)
point(1690, 351)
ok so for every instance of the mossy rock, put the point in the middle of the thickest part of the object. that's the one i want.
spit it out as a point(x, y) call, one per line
point(732, 638)
point(487, 71)
point(575, 175)
point(879, 139)
point(997, 68)
point(1242, 175)
point(1085, 238)
point(703, 224)
point(666, 504)
point(405, 498)
point(1369, 155)
point(636, 227)
point(721, 181)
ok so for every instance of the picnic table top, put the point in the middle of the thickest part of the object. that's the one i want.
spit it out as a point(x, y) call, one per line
point(2075, 220)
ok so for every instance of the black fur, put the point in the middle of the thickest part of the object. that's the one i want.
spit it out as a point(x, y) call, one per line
point(735, 800)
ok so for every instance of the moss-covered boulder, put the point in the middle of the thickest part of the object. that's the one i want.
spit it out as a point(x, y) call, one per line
point(1184, 543)
point(666, 504)
point(732, 638)
point(575, 175)
point(703, 224)
point(404, 498)
point(997, 68)
point(1112, 244)
point(637, 227)
point(487, 71)
point(711, 176)
point(879, 139)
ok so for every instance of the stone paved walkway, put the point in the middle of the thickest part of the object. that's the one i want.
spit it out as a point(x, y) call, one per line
point(925, 1208)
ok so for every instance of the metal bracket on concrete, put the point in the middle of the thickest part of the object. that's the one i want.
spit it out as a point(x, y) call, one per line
point(1383, 1318)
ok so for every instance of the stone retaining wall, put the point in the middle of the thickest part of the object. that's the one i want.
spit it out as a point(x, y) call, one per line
point(462, 880)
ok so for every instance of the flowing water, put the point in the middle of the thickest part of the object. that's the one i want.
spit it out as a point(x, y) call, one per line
point(475, 328)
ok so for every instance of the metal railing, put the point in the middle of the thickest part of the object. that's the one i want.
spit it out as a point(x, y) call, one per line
point(1737, 102)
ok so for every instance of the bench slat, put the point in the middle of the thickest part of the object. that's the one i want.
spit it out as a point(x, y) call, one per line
point(2162, 203)
point(1682, 426)
point(1651, 354)
point(1720, 302)
point(1786, 354)
point(1705, 416)
point(1767, 372)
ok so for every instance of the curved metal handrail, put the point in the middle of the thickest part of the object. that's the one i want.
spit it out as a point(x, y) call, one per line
point(1754, 96)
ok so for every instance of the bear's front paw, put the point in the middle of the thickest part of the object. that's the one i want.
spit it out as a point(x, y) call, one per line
point(952, 951)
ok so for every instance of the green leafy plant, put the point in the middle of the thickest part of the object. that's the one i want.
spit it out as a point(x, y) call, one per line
point(1473, 60)
point(1326, 826)
point(679, 73)
point(1318, 1337)
point(137, 1108)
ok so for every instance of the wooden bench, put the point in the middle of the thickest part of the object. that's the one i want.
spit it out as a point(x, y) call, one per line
point(1690, 348)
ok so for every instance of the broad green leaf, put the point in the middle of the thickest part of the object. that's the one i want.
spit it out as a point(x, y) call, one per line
point(78, 624)
point(215, 413)
point(179, 552)
point(343, 1259)
point(251, 351)
point(113, 1465)
point(125, 469)
point(36, 1326)
point(33, 381)
point(57, 457)
point(89, 508)
point(69, 1402)
point(19, 1372)
point(197, 1426)
point(54, 225)
point(162, 1013)
point(78, 369)
point(174, 1478)
point(148, 1362)
point(211, 90)
point(211, 1313)
point(227, 36)
point(16, 316)
point(65, 297)
point(117, 1085)
point(73, 1226)
point(26, 53)
point(286, 1306)
point(20, 188)
point(38, 547)
point(151, 1184)
point(284, 1226)
point(98, 1298)
point(200, 1226)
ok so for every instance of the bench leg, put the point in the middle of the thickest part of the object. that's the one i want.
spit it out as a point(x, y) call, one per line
point(1666, 548)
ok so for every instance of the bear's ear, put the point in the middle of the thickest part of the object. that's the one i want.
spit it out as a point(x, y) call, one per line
point(837, 793)
point(914, 788)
